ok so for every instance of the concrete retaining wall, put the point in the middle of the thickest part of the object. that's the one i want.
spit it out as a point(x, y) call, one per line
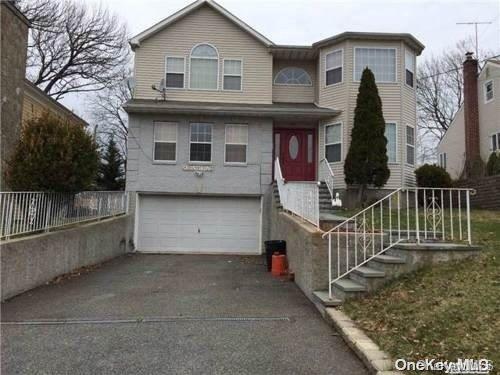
point(487, 192)
point(31, 261)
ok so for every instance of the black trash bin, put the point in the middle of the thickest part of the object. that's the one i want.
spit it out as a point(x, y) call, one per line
point(272, 247)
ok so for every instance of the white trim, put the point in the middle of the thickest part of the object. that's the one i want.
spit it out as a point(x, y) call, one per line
point(232, 75)
point(135, 41)
point(293, 84)
point(237, 144)
point(375, 47)
point(395, 123)
point(161, 161)
point(205, 143)
point(341, 141)
point(414, 68)
point(184, 72)
point(204, 58)
point(341, 66)
point(414, 145)
point(486, 100)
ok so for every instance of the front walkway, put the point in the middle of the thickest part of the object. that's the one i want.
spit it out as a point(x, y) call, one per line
point(195, 315)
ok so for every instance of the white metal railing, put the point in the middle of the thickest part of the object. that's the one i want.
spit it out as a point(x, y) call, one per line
point(27, 212)
point(405, 215)
point(327, 175)
point(299, 198)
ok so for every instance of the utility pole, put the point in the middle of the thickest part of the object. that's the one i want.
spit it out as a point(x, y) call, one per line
point(475, 27)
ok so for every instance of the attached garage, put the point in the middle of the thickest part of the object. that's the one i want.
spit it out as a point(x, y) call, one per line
point(190, 224)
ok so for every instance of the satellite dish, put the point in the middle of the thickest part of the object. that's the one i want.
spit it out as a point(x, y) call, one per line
point(163, 86)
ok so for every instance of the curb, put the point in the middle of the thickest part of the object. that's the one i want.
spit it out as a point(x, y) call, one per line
point(377, 361)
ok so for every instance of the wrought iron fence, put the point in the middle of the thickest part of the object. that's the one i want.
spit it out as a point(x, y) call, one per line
point(28, 212)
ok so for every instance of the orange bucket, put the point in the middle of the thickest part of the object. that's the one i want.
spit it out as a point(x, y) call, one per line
point(278, 264)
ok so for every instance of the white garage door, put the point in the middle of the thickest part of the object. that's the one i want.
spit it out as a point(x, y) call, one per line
point(198, 224)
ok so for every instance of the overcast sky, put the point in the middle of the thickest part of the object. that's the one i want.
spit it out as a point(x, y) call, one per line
point(307, 21)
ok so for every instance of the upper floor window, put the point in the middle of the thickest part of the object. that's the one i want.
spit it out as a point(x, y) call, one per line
point(236, 144)
point(381, 61)
point(410, 145)
point(488, 91)
point(391, 135)
point(333, 142)
point(165, 141)
point(232, 75)
point(200, 142)
point(204, 67)
point(442, 160)
point(333, 66)
point(293, 76)
point(174, 72)
point(409, 68)
point(495, 142)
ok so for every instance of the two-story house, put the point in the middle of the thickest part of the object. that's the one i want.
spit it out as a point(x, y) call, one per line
point(228, 102)
point(474, 132)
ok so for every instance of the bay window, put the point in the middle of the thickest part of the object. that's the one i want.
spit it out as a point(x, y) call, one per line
point(391, 135)
point(333, 142)
point(381, 61)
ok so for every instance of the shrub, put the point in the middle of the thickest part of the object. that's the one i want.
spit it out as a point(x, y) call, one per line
point(432, 176)
point(493, 165)
point(52, 155)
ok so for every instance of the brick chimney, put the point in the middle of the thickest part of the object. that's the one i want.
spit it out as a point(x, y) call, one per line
point(473, 164)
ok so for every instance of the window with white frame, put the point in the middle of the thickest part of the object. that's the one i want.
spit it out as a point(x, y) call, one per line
point(174, 72)
point(391, 134)
point(333, 142)
point(410, 145)
point(232, 75)
point(488, 91)
point(409, 68)
point(333, 67)
point(293, 76)
point(200, 143)
point(236, 143)
point(495, 142)
point(204, 68)
point(165, 141)
point(381, 61)
point(442, 160)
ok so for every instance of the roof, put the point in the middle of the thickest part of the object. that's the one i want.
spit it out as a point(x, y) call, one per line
point(14, 9)
point(286, 51)
point(274, 110)
point(136, 40)
point(30, 88)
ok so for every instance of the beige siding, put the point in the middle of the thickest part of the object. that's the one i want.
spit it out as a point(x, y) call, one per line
point(290, 93)
point(453, 144)
point(489, 113)
point(398, 101)
point(205, 26)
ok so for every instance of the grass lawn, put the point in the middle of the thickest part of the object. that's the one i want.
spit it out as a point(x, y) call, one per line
point(447, 311)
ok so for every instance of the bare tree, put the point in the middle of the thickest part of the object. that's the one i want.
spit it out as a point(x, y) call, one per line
point(107, 114)
point(73, 47)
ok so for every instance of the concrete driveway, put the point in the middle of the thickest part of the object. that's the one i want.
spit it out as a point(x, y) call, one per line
point(171, 314)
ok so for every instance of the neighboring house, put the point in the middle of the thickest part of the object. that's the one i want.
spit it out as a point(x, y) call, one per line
point(36, 102)
point(201, 154)
point(475, 130)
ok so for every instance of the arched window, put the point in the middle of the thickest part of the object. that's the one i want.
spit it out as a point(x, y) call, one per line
point(204, 67)
point(293, 76)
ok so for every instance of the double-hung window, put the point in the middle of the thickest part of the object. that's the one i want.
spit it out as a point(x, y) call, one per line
point(165, 141)
point(200, 146)
point(174, 72)
point(333, 142)
point(442, 160)
point(488, 91)
point(333, 66)
point(232, 75)
point(495, 142)
point(391, 134)
point(410, 145)
point(381, 61)
point(204, 68)
point(409, 68)
point(236, 144)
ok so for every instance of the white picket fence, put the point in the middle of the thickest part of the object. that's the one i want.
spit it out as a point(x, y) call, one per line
point(28, 212)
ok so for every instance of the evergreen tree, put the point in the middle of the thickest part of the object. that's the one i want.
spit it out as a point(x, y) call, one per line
point(111, 171)
point(366, 161)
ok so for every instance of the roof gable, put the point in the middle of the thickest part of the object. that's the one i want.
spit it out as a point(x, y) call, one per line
point(136, 40)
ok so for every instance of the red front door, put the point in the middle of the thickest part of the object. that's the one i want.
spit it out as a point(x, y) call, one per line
point(296, 149)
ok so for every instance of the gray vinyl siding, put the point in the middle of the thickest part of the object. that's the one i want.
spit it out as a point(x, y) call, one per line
point(290, 93)
point(205, 25)
point(145, 175)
